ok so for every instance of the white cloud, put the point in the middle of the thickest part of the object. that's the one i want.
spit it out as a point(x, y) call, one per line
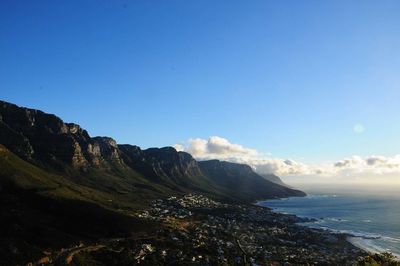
point(214, 148)
point(220, 148)
point(283, 167)
point(353, 169)
point(372, 164)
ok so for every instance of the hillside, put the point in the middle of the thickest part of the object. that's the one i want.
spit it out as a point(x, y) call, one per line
point(59, 185)
point(125, 173)
point(39, 210)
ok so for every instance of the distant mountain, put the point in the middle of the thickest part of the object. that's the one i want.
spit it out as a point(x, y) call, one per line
point(275, 179)
point(243, 181)
point(61, 183)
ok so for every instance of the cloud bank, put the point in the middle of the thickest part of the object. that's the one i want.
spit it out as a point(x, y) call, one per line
point(220, 148)
point(354, 169)
point(373, 164)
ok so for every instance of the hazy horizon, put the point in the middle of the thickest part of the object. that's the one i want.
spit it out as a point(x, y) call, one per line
point(343, 188)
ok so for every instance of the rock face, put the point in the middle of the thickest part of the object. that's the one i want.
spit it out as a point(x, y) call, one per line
point(46, 139)
point(47, 142)
point(165, 166)
point(104, 148)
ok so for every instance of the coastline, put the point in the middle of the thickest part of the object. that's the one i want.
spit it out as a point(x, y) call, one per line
point(362, 243)
point(368, 246)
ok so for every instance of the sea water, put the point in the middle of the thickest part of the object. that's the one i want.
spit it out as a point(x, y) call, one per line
point(372, 221)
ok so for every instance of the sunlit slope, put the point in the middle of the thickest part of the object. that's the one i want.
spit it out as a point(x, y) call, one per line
point(111, 193)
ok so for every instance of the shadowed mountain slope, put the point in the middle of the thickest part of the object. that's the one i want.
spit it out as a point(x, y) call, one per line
point(230, 176)
point(39, 209)
point(59, 185)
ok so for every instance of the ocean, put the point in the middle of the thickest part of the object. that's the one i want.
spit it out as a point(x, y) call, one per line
point(372, 220)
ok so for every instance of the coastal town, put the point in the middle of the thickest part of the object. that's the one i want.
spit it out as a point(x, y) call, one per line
point(196, 230)
point(212, 233)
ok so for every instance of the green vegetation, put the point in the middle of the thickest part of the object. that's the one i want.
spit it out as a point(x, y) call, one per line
point(41, 210)
point(382, 259)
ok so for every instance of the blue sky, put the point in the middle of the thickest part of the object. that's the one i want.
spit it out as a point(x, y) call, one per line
point(290, 78)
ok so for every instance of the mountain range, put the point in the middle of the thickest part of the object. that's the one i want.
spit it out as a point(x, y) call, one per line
point(58, 181)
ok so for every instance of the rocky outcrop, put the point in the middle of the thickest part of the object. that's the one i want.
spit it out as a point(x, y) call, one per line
point(164, 165)
point(11, 138)
point(104, 149)
point(168, 162)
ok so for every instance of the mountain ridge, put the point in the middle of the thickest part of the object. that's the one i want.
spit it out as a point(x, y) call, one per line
point(46, 141)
